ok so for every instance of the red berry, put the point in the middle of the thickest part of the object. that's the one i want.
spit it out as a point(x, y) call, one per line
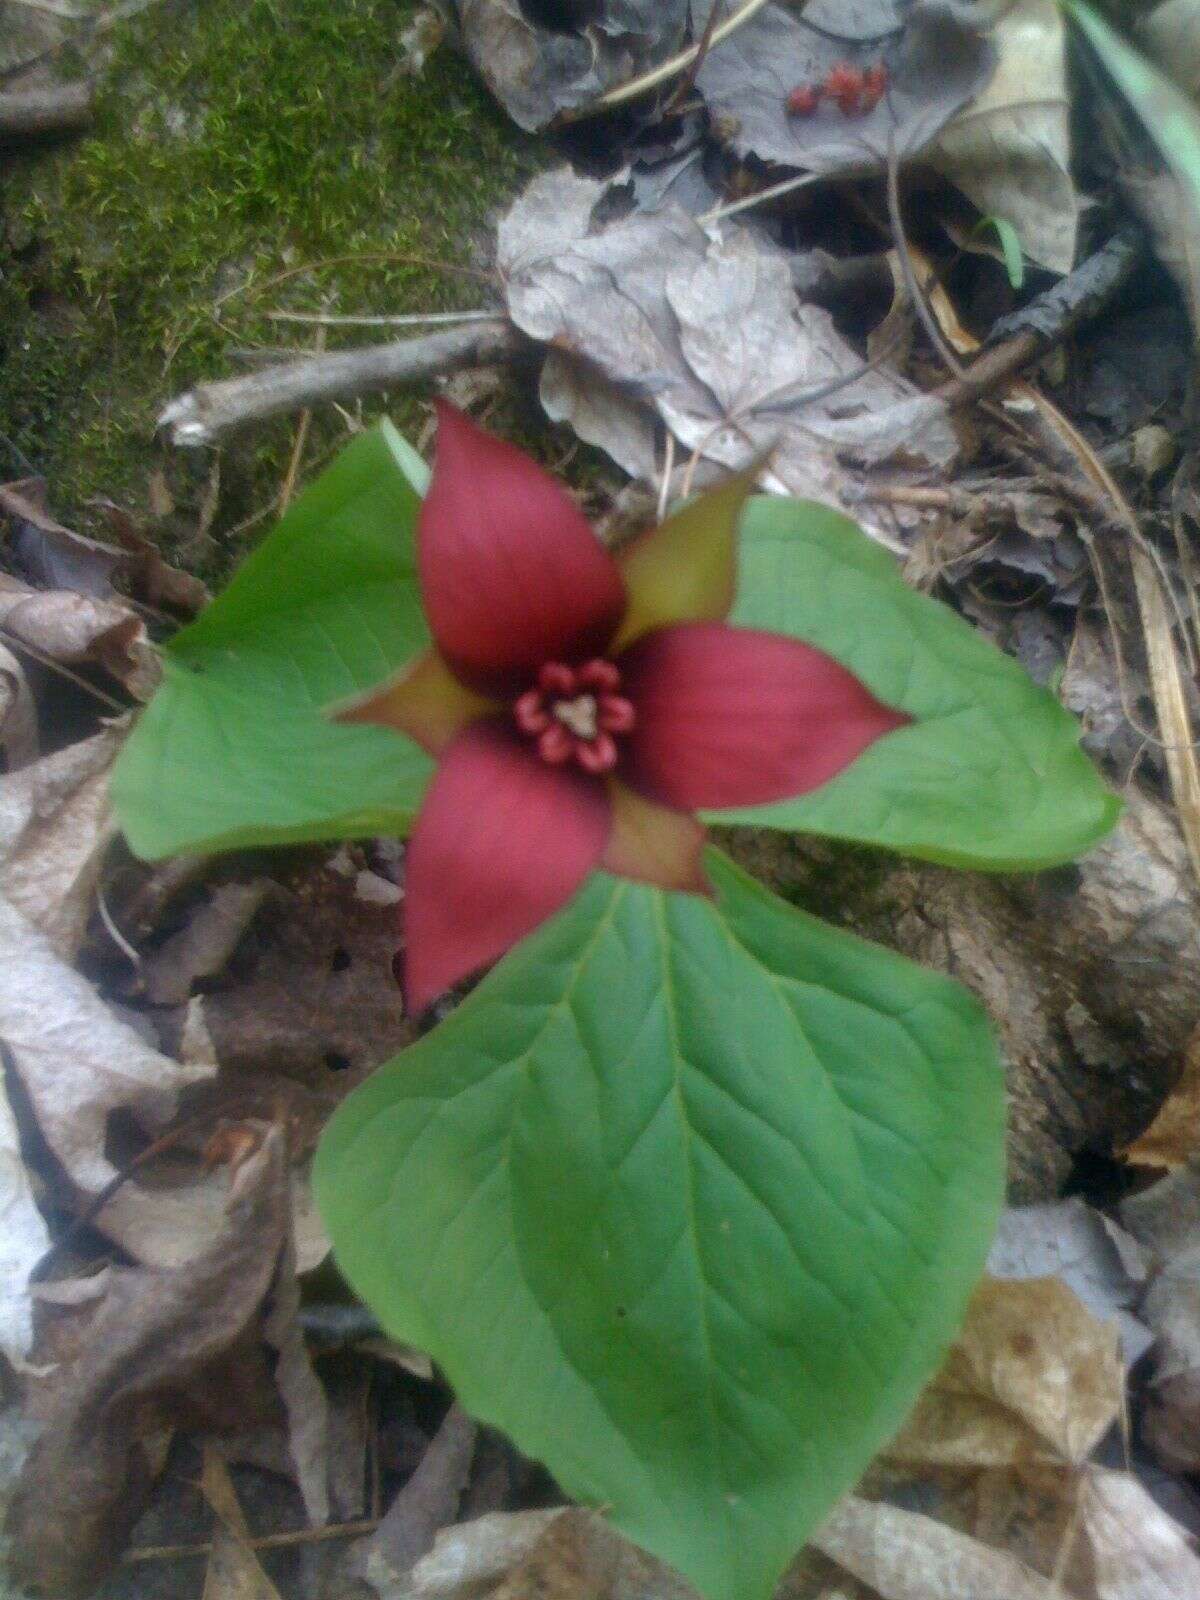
point(803, 101)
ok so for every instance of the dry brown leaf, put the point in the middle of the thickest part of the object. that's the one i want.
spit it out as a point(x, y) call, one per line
point(580, 1557)
point(905, 1556)
point(471, 1559)
point(18, 717)
point(234, 1572)
point(1173, 1138)
point(1009, 151)
point(1139, 1552)
point(204, 945)
point(1032, 1377)
point(78, 628)
point(163, 1345)
point(427, 1503)
point(24, 1239)
point(706, 332)
point(1165, 1219)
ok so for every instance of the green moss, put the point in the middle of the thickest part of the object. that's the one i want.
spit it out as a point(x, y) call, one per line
point(235, 140)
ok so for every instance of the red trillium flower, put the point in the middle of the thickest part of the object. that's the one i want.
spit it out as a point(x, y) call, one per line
point(582, 706)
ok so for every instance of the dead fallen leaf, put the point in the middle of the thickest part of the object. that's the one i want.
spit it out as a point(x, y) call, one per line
point(536, 72)
point(49, 555)
point(164, 1345)
point(203, 946)
point(469, 1560)
point(1070, 1240)
point(1173, 1138)
point(1033, 1377)
point(1165, 1220)
point(24, 1239)
point(18, 718)
point(234, 1572)
point(580, 1557)
point(1009, 151)
point(906, 1556)
point(1139, 1552)
point(940, 60)
point(427, 1503)
point(707, 333)
point(80, 628)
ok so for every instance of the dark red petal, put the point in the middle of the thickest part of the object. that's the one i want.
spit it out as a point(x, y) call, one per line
point(733, 717)
point(502, 841)
point(511, 573)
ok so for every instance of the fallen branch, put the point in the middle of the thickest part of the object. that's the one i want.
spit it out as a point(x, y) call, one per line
point(1049, 319)
point(204, 414)
point(28, 113)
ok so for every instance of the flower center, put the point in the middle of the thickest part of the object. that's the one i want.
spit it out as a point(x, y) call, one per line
point(576, 714)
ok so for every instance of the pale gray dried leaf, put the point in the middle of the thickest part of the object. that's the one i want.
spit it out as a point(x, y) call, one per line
point(18, 716)
point(940, 60)
point(1138, 1551)
point(707, 332)
point(468, 1560)
point(153, 1339)
point(905, 1556)
point(427, 1503)
point(1010, 150)
point(536, 72)
point(1165, 1219)
point(76, 1061)
point(79, 628)
point(1068, 1240)
point(1170, 35)
point(24, 1239)
point(49, 555)
point(300, 1390)
point(204, 945)
point(55, 825)
point(601, 414)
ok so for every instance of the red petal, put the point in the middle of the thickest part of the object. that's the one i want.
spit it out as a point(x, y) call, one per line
point(502, 841)
point(733, 717)
point(655, 844)
point(511, 574)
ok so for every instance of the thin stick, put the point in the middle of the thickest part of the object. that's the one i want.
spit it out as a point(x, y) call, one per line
point(417, 319)
point(915, 294)
point(719, 213)
point(264, 1541)
point(664, 493)
point(293, 471)
point(204, 414)
point(677, 63)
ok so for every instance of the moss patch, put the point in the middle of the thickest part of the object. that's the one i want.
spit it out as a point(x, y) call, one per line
point(236, 140)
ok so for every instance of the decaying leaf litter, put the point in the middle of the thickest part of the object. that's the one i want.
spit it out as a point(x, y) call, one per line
point(710, 274)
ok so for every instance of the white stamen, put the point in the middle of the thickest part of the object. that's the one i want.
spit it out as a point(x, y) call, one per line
point(579, 715)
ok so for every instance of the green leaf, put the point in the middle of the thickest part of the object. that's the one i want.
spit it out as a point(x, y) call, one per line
point(990, 773)
point(687, 1198)
point(233, 750)
point(1010, 247)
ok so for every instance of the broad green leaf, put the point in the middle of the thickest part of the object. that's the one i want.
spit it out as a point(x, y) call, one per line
point(234, 750)
point(687, 1198)
point(990, 773)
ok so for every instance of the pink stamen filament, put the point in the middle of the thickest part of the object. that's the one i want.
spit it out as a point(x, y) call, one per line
point(573, 714)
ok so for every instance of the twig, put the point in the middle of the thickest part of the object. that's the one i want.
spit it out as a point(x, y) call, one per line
point(1050, 318)
point(915, 293)
point(28, 113)
point(263, 1541)
point(204, 414)
point(417, 319)
point(719, 213)
point(293, 469)
point(667, 69)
